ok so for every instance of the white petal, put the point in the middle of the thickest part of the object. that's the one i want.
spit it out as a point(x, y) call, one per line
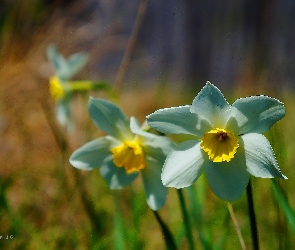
point(110, 119)
point(256, 114)
point(92, 154)
point(260, 159)
point(158, 147)
point(183, 165)
point(115, 177)
point(155, 192)
point(228, 180)
point(176, 120)
point(210, 106)
point(135, 128)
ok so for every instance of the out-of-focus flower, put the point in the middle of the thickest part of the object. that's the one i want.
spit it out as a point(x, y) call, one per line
point(60, 86)
point(231, 146)
point(125, 152)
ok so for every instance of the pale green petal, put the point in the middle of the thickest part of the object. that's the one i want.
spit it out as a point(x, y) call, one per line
point(154, 145)
point(228, 180)
point(65, 69)
point(56, 59)
point(135, 128)
point(260, 159)
point(92, 154)
point(211, 106)
point(75, 63)
point(115, 177)
point(156, 193)
point(110, 119)
point(63, 114)
point(256, 114)
point(158, 147)
point(183, 165)
point(177, 120)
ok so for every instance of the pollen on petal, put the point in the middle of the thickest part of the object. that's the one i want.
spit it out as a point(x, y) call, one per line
point(220, 145)
point(129, 155)
point(55, 88)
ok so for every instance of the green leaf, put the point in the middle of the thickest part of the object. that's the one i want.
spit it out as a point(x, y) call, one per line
point(284, 204)
point(119, 230)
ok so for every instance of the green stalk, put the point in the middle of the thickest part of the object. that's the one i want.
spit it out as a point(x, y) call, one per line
point(169, 241)
point(252, 217)
point(119, 229)
point(185, 220)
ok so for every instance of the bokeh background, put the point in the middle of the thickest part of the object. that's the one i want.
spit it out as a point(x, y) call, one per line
point(244, 47)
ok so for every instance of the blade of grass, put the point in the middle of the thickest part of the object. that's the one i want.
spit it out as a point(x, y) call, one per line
point(284, 205)
point(119, 230)
point(237, 227)
point(196, 198)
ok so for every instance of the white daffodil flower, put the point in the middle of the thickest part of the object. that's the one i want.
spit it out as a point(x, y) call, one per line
point(125, 152)
point(231, 146)
point(60, 86)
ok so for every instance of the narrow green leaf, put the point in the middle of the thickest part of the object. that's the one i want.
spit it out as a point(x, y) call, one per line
point(284, 204)
point(119, 231)
point(196, 195)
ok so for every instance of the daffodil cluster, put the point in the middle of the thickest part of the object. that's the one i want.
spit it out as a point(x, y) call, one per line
point(125, 152)
point(230, 145)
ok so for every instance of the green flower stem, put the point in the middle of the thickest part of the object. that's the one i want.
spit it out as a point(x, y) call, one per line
point(185, 220)
point(252, 217)
point(169, 241)
point(85, 86)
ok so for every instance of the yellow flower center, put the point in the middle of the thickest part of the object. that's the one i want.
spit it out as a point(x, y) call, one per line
point(220, 145)
point(55, 88)
point(130, 156)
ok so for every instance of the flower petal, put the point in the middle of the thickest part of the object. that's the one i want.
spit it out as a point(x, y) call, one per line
point(260, 159)
point(92, 154)
point(57, 60)
point(135, 128)
point(158, 147)
point(256, 114)
point(156, 193)
point(228, 180)
point(75, 62)
point(183, 165)
point(110, 119)
point(115, 177)
point(177, 120)
point(211, 106)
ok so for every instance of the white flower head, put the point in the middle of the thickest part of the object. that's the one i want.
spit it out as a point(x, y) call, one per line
point(231, 146)
point(125, 152)
point(59, 86)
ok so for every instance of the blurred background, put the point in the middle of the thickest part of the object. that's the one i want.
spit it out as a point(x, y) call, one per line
point(244, 47)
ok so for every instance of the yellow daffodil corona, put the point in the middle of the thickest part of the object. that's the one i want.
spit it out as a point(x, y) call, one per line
point(56, 90)
point(220, 145)
point(130, 156)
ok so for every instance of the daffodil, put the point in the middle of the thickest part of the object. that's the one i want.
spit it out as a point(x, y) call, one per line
point(230, 145)
point(60, 86)
point(126, 152)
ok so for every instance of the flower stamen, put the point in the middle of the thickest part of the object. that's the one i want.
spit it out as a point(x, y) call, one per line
point(220, 145)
